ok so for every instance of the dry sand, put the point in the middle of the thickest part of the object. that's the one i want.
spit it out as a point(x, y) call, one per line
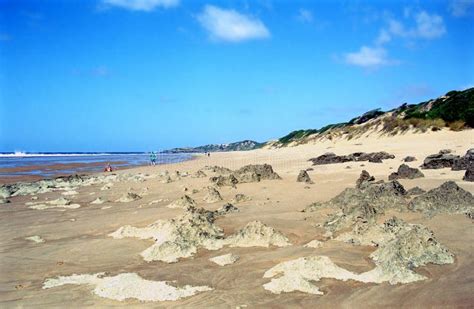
point(78, 241)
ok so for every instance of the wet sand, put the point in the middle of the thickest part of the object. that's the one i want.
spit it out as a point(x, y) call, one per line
point(77, 241)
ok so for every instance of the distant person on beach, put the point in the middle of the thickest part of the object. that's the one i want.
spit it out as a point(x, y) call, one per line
point(108, 168)
point(208, 154)
point(153, 158)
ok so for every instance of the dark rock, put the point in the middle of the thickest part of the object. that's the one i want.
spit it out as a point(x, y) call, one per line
point(303, 176)
point(439, 160)
point(227, 208)
point(221, 180)
point(469, 175)
point(409, 159)
point(447, 198)
point(406, 172)
point(364, 178)
point(332, 158)
point(255, 173)
point(463, 163)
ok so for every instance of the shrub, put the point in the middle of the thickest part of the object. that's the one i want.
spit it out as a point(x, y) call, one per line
point(457, 125)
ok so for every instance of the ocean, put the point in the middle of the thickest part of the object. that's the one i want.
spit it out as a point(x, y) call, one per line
point(50, 164)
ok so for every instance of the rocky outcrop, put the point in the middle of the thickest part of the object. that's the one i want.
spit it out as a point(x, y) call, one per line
point(406, 172)
point(185, 202)
point(227, 180)
point(440, 160)
point(415, 191)
point(469, 175)
point(226, 209)
point(377, 196)
point(464, 162)
point(246, 174)
point(332, 158)
point(303, 176)
point(364, 179)
point(218, 169)
point(257, 234)
point(447, 198)
point(212, 195)
point(255, 173)
point(199, 174)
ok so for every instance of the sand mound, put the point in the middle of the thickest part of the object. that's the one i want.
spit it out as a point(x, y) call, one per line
point(212, 195)
point(239, 198)
point(303, 176)
point(127, 285)
point(106, 187)
point(184, 202)
point(129, 197)
point(36, 239)
point(447, 198)
point(225, 259)
point(314, 244)
point(406, 172)
point(257, 234)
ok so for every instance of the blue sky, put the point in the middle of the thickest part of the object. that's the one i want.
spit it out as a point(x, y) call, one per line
point(126, 75)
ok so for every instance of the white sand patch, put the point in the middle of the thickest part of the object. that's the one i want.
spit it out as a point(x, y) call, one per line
point(57, 203)
point(156, 201)
point(257, 234)
point(297, 275)
point(37, 239)
point(225, 259)
point(314, 244)
point(106, 207)
point(127, 285)
point(68, 193)
point(98, 201)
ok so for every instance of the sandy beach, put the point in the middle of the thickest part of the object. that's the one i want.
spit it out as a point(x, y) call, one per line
point(77, 240)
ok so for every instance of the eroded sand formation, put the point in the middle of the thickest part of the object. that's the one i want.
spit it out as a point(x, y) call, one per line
point(181, 237)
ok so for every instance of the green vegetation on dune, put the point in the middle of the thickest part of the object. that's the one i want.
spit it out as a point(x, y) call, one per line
point(454, 110)
point(458, 106)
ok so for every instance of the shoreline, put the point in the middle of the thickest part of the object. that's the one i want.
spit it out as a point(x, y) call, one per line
point(57, 170)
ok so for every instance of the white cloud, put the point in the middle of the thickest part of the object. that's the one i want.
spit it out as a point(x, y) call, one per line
point(305, 15)
point(460, 8)
point(368, 57)
point(427, 26)
point(142, 5)
point(230, 25)
point(383, 37)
